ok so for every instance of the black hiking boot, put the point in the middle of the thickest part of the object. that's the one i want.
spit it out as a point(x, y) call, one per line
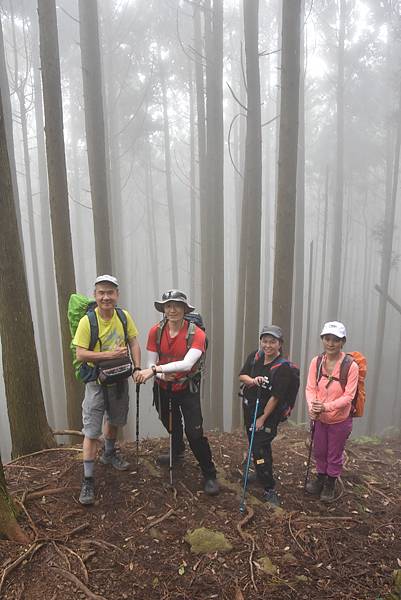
point(329, 490)
point(315, 486)
point(164, 458)
point(211, 487)
point(270, 496)
point(87, 495)
point(115, 460)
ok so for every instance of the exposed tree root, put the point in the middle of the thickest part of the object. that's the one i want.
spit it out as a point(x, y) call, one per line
point(78, 583)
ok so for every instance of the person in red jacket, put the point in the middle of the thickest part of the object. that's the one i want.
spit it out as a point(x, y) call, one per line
point(174, 366)
point(330, 409)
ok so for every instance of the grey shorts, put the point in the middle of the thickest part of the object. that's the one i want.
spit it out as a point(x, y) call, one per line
point(96, 405)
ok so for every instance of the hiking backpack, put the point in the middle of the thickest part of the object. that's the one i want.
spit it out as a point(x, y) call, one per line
point(79, 306)
point(293, 386)
point(358, 401)
point(194, 320)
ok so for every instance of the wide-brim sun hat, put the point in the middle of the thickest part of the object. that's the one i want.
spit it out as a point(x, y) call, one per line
point(272, 330)
point(334, 328)
point(108, 278)
point(173, 296)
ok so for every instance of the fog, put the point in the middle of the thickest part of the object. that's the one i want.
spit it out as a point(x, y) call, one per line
point(160, 190)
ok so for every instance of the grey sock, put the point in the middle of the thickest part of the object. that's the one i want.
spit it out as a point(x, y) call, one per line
point(109, 446)
point(88, 468)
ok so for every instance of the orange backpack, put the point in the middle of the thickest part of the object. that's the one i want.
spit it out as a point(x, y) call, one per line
point(358, 402)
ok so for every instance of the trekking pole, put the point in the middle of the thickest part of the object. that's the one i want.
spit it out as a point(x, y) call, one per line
point(170, 432)
point(138, 386)
point(312, 435)
point(248, 461)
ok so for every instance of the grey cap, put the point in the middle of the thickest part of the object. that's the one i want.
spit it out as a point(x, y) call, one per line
point(272, 330)
point(109, 278)
point(173, 296)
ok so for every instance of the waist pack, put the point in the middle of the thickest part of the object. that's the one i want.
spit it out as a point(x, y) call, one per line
point(114, 370)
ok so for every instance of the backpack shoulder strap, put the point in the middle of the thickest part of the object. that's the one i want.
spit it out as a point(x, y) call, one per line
point(94, 328)
point(319, 363)
point(190, 334)
point(159, 332)
point(344, 370)
point(280, 360)
point(123, 318)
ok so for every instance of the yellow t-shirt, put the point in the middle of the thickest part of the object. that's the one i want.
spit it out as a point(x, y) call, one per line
point(111, 333)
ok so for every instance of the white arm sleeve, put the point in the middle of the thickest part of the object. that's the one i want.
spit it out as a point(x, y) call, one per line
point(177, 366)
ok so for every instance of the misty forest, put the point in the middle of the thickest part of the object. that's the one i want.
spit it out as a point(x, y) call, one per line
point(248, 153)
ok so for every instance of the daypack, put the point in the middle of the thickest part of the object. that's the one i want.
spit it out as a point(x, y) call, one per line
point(194, 320)
point(358, 402)
point(79, 306)
point(293, 386)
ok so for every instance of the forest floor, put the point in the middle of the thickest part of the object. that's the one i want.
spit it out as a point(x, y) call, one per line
point(130, 544)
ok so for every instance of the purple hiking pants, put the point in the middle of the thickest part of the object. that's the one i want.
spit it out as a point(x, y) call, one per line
point(328, 446)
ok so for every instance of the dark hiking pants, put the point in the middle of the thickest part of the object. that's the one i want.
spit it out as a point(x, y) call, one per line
point(262, 450)
point(185, 407)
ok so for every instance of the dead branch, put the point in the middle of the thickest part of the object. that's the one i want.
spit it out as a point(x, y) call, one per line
point(303, 550)
point(67, 432)
point(159, 520)
point(78, 583)
point(49, 492)
point(60, 448)
point(235, 97)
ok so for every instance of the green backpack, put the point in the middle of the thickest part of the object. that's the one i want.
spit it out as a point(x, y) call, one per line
point(79, 306)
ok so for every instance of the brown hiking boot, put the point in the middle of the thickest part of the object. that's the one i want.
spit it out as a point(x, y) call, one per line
point(329, 490)
point(315, 486)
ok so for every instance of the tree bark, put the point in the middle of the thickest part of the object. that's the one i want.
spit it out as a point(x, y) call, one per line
point(388, 235)
point(5, 93)
point(58, 190)
point(169, 183)
point(95, 130)
point(287, 168)
point(9, 527)
point(215, 197)
point(28, 425)
point(337, 254)
point(299, 276)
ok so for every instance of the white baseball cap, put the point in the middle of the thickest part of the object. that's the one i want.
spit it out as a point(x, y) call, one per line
point(334, 328)
point(108, 278)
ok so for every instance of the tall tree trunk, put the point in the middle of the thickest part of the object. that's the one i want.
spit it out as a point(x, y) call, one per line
point(253, 176)
point(150, 218)
point(287, 168)
point(95, 130)
point(193, 236)
point(337, 255)
point(5, 94)
point(169, 182)
point(388, 235)
point(35, 296)
point(298, 289)
point(215, 225)
point(9, 527)
point(52, 328)
point(28, 425)
point(113, 90)
point(57, 177)
point(203, 200)
point(324, 249)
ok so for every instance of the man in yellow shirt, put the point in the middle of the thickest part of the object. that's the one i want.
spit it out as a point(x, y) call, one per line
point(113, 402)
